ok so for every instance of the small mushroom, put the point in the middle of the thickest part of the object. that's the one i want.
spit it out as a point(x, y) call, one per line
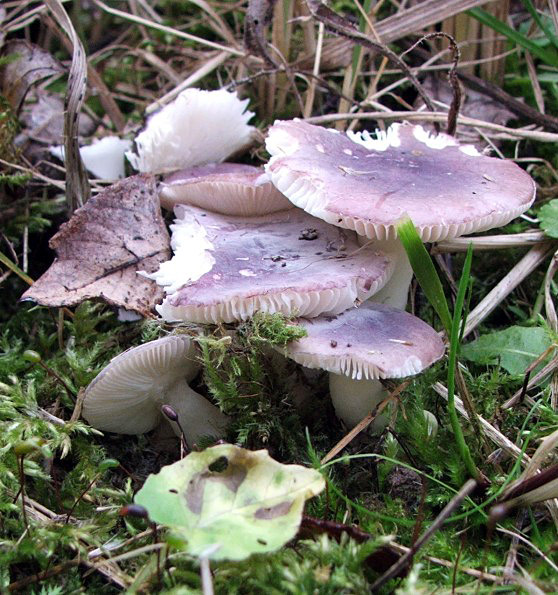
point(198, 127)
point(226, 188)
point(361, 346)
point(127, 396)
point(227, 268)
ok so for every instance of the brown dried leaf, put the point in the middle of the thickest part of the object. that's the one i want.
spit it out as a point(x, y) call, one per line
point(118, 232)
point(30, 64)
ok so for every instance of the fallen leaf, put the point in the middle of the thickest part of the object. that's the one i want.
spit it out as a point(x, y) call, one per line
point(42, 118)
point(548, 217)
point(228, 503)
point(28, 65)
point(118, 232)
point(513, 348)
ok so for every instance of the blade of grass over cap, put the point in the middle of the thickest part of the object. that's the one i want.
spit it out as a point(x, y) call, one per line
point(424, 270)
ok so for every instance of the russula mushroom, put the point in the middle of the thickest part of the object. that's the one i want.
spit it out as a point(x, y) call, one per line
point(126, 397)
point(226, 188)
point(198, 127)
point(361, 345)
point(226, 268)
point(369, 184)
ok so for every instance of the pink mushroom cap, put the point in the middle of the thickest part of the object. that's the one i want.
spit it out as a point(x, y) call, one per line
point(368, 185)
point(373, 341)
point(227, 268)
point(227, 188)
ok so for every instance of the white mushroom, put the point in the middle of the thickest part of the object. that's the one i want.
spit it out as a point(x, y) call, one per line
point(127, 396)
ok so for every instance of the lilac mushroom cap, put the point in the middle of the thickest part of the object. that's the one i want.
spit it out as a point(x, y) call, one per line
point(226, 188)
point(227, 268)
point(362, 345)
point(368, 185)
point(370, 342)
point(126, 397)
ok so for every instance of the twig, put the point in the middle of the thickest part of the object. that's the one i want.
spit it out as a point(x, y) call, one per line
point(452, 77)
point(207, 579)
point(406, 559)
point(505, 132)
point(363, 423)
point(169, 30)
point(496, 242)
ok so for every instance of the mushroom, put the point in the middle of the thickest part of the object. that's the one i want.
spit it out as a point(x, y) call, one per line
point(226, 268)
point(226, 188)
point(198, 127)
point(126, 397)
point(369, 184)
point(361, 345)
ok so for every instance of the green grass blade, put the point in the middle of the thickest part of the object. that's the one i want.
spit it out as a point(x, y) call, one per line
point(452, 363)
point(424, 270)
point(551, 36)
point(512, 35)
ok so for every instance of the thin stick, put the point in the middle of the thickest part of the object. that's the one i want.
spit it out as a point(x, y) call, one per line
point(429, 116)
point(496, 242)
point(175, 32)
point(363, 423)
point(406, 559)
point(207, 579)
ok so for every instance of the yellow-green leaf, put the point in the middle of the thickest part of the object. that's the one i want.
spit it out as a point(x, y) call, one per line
point(228, 503)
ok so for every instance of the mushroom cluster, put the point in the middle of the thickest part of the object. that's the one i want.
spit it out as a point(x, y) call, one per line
point(314, 236)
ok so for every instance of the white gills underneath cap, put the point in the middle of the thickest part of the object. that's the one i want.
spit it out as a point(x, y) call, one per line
point(367, 343)
point(226, 188)
point(286, 262)
point(126, 397)
point(369, 185)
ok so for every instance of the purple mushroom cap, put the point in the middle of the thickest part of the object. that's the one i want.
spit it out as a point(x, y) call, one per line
point(372, 341)
point(227, 268)
point(227, 188)
point(368, 185)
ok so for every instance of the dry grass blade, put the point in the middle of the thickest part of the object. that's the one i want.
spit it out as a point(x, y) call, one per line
point(496, 242)
point(163, 28)
point(406, 559)
point(519, 272)
point(532, 382)
point(363, 424)
point(344, 28)
point(206, 68)
point(77, 183)
point(491, 432)
point(422, 15)
point(503, 132)
point(531, 545)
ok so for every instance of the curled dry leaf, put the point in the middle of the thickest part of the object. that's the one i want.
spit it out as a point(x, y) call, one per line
point(29, 64)
point(101, 249)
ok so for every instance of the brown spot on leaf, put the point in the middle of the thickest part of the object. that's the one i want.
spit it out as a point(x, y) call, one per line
point(272, 512)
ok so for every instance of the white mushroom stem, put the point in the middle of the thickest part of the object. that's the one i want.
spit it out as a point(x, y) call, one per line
point(196, 415)
point(355, 399)
point(395, 292)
